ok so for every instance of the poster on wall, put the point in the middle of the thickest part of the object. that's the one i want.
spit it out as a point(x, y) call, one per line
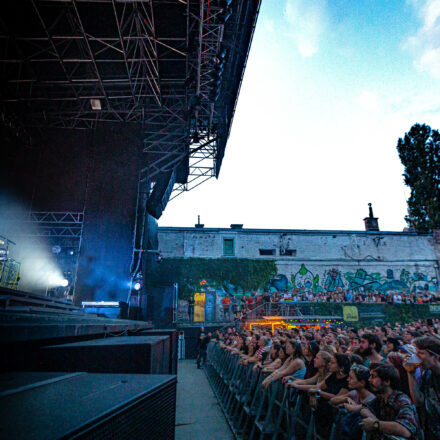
point(199, 307)
point(350, 313)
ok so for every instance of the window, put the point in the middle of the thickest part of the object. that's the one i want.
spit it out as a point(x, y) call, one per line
point(228, 247)
point(267, 252)
point(288, 252)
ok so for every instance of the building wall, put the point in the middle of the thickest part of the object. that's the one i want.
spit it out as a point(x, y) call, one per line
point(322, 260)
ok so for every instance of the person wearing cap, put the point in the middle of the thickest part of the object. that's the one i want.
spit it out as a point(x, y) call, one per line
point(427, 394)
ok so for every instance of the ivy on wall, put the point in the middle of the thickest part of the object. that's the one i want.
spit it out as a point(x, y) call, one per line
point(188, 272)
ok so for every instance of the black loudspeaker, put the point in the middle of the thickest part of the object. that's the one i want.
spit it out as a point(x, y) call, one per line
point(159, 305)
point(161, 194)
point(87, 406)
point(122, 354)
point(174, 342)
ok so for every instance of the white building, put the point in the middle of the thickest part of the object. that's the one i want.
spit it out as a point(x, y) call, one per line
point(320, 260)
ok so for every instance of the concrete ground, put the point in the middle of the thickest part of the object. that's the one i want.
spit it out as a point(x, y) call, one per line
point(198, 415)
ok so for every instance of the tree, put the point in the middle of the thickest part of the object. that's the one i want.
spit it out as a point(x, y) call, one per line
point(419, 152)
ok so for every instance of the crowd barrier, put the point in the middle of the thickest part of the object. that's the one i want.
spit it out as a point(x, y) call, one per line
point(254, 412)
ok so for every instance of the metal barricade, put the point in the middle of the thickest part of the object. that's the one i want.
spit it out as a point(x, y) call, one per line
point(256, 413)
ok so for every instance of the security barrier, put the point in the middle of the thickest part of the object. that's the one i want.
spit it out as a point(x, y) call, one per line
point(254, 412)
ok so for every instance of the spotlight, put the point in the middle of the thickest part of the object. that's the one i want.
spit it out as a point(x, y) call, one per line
point(137, 285)
point(64, 282)
point(71, 252)
point(56, 249)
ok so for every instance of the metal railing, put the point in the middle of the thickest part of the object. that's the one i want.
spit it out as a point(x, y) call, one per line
point(276, 412)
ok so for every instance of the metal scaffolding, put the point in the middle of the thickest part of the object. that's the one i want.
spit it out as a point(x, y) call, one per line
point(174, 66)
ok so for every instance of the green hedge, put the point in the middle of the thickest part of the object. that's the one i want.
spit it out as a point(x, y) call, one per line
point(380, 313)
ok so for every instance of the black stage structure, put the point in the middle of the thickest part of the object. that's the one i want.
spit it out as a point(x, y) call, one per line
point(109, 109)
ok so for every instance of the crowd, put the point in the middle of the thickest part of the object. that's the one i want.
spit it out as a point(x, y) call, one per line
point(386, 379)
point(238, 307)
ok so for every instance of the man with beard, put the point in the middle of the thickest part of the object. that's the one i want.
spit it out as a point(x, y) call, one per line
point(391, 412)
point(427, 394)
point(369, 349)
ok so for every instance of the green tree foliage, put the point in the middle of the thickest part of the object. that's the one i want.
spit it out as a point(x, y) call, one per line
point(188, 272)
point(419, 152)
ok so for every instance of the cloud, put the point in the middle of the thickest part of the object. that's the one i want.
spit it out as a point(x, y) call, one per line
point(425, 43)
point(367, 99)
point(306, 20)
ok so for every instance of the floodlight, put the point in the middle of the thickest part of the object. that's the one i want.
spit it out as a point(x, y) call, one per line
point(137, 286)
point(64, 282)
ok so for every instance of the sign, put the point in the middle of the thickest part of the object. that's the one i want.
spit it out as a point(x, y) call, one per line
point(199, 307)
point(350, 313)
point(434, 308)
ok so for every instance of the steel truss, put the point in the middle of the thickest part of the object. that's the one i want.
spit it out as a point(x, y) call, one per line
point(174, 66)
point(61, 228)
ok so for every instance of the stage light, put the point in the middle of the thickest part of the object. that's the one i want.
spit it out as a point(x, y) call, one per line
point(95, 104)
point(64, 282)
point(137, 286)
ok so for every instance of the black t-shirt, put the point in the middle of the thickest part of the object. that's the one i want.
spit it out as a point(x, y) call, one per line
point(334, 385)
point(204, 343)
point(191, 303)
point(266, 299)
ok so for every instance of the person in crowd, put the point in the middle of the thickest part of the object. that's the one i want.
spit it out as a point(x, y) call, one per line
point(321, 362)
point(391, 412)
point(358, 382)
point(226, 302)
point(261, 344)
point(311, 349)
point(250, 302)
point(369, 349)
point(392, 345)
point(203, 349)
point(398, 360)
point(191, 303)
point(426, 394)
point(293, 366)
point(266, 302)
point(335, 384)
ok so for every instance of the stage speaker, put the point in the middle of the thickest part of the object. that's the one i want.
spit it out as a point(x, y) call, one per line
point(87, 406)
point(161, 194)
point(121, 354)
point(173, 346)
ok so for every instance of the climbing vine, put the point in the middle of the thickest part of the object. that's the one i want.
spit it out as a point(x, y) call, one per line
point(244, 274)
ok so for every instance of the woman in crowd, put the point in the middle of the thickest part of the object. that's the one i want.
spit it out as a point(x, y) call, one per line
point(279, 356)
point(321, 363)
point(294, 364)
point(398, 360)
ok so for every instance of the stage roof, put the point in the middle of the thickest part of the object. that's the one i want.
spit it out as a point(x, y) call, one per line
point(172, 66)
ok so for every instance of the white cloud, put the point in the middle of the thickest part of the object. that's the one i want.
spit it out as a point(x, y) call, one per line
point(367, 99)
point(306, 20)
point(425, 43)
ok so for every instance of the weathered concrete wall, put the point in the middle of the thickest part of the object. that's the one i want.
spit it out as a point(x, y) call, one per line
point(321, 260)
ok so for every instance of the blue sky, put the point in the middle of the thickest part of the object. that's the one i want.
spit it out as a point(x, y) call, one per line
point(329, 88)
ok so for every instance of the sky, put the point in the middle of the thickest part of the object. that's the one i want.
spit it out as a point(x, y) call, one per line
point(329, 88)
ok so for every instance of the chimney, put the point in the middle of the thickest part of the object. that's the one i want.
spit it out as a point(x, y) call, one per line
point(371, 222)
point(198, 224)
point(236, 226)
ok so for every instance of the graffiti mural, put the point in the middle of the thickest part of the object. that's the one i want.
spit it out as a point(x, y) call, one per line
point(305, 279)
point(333, 280)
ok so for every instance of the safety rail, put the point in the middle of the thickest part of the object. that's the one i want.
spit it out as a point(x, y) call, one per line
point(254, 412)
